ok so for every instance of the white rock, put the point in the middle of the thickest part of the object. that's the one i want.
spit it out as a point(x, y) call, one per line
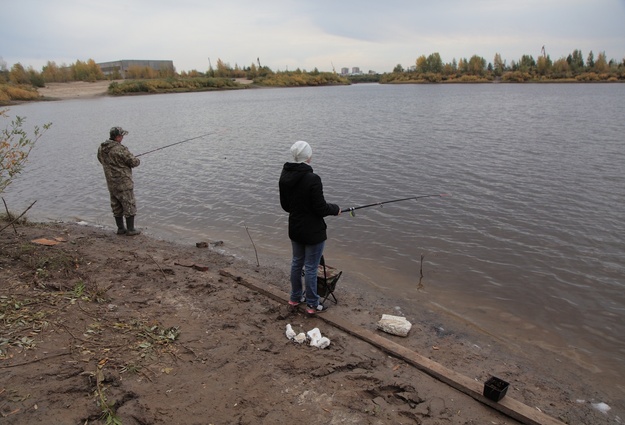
point(300, 338)
point(290, 333)
point(394, 325)
point(323, 342)
point(602, 407)
point(316, 340)
point(314, 335)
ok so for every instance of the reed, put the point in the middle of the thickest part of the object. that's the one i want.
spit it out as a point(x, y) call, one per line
point(10, 92)
point(171, 85)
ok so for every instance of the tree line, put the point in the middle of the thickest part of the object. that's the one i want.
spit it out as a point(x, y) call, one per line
point(88, 71)
point(431, 68)
point(573, 67)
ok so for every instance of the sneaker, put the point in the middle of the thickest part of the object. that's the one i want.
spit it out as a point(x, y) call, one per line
point(296, 303)
point(293, 306)
point(314, 310)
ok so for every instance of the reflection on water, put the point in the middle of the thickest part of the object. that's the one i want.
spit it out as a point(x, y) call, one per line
point(529, 244)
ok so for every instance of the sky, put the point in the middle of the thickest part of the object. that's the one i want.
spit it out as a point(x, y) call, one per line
point(305, 34)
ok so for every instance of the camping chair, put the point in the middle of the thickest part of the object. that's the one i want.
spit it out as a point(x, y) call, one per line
point(327, 277)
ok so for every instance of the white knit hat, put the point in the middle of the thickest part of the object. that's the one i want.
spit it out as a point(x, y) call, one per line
point(301, 151)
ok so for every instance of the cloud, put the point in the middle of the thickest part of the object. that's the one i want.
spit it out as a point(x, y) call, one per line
point(306, 34)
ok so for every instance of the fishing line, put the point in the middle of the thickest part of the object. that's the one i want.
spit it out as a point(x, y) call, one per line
point(352, 209)
point(177, 143)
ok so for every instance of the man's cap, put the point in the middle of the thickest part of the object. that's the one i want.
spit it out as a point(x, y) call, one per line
point(117, 131)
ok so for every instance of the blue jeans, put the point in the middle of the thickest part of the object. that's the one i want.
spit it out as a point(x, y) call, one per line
point(306, 257)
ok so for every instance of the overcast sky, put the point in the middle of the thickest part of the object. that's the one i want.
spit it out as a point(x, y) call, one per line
point(290, 34)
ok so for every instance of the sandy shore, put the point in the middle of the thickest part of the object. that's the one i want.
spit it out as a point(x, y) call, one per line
point(168, 333)
point(81, 89)
point(74, 90)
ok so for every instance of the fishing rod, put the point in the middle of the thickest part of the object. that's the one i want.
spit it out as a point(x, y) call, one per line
point(174, 144)
point(352, 209)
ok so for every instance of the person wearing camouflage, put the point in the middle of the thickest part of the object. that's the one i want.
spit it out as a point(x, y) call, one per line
point(118, 163)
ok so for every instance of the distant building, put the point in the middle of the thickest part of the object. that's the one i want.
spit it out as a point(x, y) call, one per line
point(355, 71)
point(122, 66)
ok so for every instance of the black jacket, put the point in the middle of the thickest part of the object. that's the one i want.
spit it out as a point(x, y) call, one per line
point(301, 195)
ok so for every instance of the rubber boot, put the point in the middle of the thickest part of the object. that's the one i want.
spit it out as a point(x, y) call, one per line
point(121, 230)
point(130, 224)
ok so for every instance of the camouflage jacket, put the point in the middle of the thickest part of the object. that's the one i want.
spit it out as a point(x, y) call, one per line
point(118, 163)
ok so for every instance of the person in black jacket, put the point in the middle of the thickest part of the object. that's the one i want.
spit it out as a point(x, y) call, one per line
point(301, 195)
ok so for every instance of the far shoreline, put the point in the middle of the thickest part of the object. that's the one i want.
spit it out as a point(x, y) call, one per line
point(89, 90)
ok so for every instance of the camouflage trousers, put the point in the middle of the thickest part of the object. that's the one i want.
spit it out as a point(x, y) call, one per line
point(123, 203)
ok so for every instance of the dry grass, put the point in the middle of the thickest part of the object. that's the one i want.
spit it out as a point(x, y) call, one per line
point(11, 93)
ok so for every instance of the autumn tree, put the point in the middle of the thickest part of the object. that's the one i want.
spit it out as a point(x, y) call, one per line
point(544, 65)
point(498, 65)
point(450, 68)
point(526, 64)
point(86, 71)
point(453, 67)
point(435, 63)
point(560, 68)
point(576, 61)
point(590, 61)
point(238, 72)
point(252, 72)
point(36, 79)
point(223, 69)
point(476, 65)
point(137, 72)
point(18, 75)
point(52, 73)
point(166, 72)
point(422, 64)
point(463, 66)
point(601, 64)
point(15, 146)
point(194, 73)
point(4, 72)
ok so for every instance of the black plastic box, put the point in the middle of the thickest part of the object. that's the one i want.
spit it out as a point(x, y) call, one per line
point(495, 389)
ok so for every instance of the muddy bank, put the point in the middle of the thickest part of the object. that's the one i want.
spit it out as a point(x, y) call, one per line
point(97, 326)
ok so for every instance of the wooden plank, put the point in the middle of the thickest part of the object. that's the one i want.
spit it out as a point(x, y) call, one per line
point(508, 406)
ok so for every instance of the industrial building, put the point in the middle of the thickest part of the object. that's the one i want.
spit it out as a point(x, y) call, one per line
point(122, 66)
